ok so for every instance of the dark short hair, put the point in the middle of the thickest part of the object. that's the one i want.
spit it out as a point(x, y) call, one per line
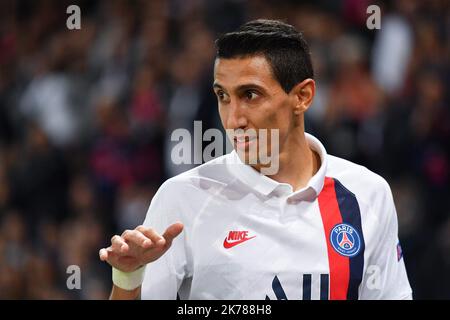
point(280, 43)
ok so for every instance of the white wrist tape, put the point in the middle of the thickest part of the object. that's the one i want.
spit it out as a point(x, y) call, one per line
point(128, 280)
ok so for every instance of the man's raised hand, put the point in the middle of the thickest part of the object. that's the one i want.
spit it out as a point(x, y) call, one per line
point(135, 248)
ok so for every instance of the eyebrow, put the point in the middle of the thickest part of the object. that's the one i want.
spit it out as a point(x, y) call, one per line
point(216, 85)
point(242, 87)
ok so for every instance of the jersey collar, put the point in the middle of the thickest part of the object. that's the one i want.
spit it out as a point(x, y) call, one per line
point(266, 185)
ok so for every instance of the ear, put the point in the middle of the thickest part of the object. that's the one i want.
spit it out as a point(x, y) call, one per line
point(303, 94)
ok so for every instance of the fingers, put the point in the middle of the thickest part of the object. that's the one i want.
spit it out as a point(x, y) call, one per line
point(137, 237)
point(106, 254)
point(103, 254)
point(142, 237)
point(173, 231)
point(118, 244)
point(151, 234)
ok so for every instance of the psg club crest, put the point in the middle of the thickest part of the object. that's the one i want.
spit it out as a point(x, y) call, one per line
point(345, 240)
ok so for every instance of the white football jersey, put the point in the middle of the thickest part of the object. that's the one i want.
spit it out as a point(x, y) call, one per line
point(247, 236)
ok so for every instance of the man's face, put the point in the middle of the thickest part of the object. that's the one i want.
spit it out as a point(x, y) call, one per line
point(249, 97)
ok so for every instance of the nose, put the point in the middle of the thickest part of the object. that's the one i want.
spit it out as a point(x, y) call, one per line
point(237, 117)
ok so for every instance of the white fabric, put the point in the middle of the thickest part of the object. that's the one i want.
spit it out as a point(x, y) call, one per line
point(289, 241)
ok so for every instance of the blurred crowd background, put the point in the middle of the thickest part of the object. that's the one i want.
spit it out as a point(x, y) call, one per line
point(86, 117)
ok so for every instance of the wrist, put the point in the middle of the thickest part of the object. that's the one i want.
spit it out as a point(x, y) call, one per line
point(128, 280)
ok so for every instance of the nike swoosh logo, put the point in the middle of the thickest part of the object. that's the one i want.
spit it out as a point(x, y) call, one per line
point(228, 245)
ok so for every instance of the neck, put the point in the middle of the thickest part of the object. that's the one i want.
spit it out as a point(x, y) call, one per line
point(297, 163)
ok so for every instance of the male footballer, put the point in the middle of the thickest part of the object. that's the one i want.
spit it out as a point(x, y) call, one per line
point(318, 227)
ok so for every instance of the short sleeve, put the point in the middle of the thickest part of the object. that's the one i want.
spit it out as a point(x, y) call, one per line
point(164, 277)
point(385, 277)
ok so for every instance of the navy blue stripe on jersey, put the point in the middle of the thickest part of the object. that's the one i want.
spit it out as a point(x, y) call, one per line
point(349, 208)
point(307, 287)
point(324, 284)
point(278, 289)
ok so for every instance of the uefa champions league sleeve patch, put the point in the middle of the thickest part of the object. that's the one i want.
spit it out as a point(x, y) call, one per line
point(345, 240)
point(399, 252)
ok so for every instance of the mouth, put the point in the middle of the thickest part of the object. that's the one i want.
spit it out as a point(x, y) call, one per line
point(244, 141)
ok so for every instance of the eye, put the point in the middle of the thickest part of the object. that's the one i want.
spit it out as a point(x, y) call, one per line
point(251, 94)
point(220, 95)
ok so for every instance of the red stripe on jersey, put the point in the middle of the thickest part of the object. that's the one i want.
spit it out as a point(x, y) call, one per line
point(339, 265)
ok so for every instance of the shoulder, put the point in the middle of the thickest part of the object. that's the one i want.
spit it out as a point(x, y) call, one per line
point(183, 196)
point(369, 187)
point(210, 175)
